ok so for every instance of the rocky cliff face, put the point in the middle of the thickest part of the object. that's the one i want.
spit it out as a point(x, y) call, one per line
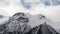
point(43, 29)
point(17, 24)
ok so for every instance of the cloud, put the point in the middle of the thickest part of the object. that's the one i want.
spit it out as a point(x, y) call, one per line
point(51, 12)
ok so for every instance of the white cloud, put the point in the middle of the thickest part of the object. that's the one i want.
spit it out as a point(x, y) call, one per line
point(51, 12)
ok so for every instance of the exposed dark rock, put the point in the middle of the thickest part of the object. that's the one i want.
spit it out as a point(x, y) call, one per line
point(46, 29)
point(18, 14)
point(1, 28)
point(41, 16)
point(33, 30)
point(1, 16)
point(20, 17)
point(15, 21)
point(43, 29)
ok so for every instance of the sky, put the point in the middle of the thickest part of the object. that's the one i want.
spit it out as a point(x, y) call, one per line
point(50, 9)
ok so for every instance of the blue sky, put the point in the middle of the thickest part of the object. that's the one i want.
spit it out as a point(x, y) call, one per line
point(26, 5)
point(46, 2)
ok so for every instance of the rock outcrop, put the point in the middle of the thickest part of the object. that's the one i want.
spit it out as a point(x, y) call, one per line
point(43, 29)
point(17, 24)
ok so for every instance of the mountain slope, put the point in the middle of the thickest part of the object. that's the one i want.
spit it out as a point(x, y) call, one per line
point(43, 29)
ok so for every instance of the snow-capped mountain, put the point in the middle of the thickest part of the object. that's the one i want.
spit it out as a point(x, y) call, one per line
point(43, 29)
